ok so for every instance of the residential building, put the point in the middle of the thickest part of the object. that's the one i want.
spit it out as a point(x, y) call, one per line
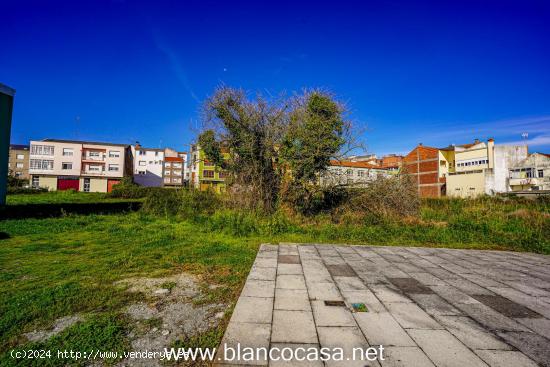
point(391, 162)
point(148, 166)
point(18, 164)
point(349, 173)
point(481, 168)
point(204, 174)
point(428, 167)
point(174, 171)
point(6, 107)
point(80, 165)
point(532, 173)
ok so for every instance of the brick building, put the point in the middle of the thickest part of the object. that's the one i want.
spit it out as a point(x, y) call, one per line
point(428, 166)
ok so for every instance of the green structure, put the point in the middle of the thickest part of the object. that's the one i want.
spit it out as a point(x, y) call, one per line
point(6, 108)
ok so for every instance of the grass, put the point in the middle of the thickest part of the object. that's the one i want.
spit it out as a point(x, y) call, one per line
point(58, 197)
point(55, 267)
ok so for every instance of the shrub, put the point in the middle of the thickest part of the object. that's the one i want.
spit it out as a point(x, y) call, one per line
point(127, 189)
point(13, 190)
point(195, 202)
point(384, 198)
point(162, 202)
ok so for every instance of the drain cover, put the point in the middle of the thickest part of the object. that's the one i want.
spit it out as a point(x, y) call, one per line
point(359, 307)
point(335, 303)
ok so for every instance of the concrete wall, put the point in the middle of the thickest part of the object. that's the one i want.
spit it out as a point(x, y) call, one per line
point(6, 108)
point(466, 185)
point(506, 156)
point(48, 182)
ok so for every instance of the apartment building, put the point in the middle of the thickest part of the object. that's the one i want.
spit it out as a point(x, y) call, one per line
point(79, 165)
point(148, 166)
point(481, 168)
point(204, 174)
point(18, 162)
point(428, 166)
point(174, 170)
point(531, 174)
point(349, 173)
point(390, 162)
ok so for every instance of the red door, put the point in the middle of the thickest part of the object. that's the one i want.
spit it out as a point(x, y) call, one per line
point(67, 184)
point(111, 183)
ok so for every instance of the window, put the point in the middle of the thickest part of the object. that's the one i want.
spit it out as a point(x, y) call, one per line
point(208, 173)
point(141, 152)
point(176, 165)
point(168, 164)
point(207, 163)
point(142, 163)
point(20, 156)
point(113, 167)
point(150, 162)
point(18, 174)
point(68, 152)
point(349, 172)
point(86, 187)
point(42, 164)
point(94, 168)
point(156, 154)
point(167, 180)
point(541, 173)
point(114, 154)
point(42, 149)
point(93, 154)
point(141, 172)
point(176, 180)
point(176, 173)
point(66, 165)
point(221, 174)
point(167, 172)
point(19, 165)
point(35, 182)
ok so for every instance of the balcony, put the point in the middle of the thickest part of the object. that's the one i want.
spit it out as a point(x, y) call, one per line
point(525, 181)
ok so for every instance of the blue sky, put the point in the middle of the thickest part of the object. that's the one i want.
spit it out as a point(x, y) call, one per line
point(436, 72)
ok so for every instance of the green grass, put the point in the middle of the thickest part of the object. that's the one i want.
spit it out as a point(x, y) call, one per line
point(56, 267)
point(60, 197)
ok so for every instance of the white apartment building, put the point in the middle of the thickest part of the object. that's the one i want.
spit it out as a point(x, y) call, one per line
point(159, 167)
point(148, 163)
point(351, 173)
point(79, 165)
point(531, 174)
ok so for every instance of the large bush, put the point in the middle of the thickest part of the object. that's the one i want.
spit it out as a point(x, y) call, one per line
point(384, 198)
point(187, 203)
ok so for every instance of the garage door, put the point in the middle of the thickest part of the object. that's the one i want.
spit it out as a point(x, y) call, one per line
point(111, 183)
point(67, 184)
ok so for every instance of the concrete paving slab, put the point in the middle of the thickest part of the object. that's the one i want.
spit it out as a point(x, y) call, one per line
point(331, 315)
point(292, 299)
point(293, 327)
point(253, 309)
point(405, 357)
point(299, 351)
point(290, 282)
point(444, 349)
point(347, 338)
point(258, 273)
point(410, 316)
point(246, 334)
point(259, 288)
point(505, 358)
point(323, 291)
point(289, 269)
point(380, 328)
point(471, 333)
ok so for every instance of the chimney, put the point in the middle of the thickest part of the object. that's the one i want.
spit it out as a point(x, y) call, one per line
point(476, 141)
point(419, 144)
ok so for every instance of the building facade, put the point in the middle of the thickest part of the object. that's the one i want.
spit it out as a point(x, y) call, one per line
point(532, 173)
point(148, 166)
point(78, 165)
point(482, 168)
point(428, 168)
point(18, 163)
point(204, 174)
point(348, 173)
point(174, 171)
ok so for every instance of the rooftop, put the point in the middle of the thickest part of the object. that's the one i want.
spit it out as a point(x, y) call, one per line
point(19, 147)
point(84, 142)
point(359, 164)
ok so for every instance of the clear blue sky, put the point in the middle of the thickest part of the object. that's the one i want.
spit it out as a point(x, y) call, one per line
point(436, 72)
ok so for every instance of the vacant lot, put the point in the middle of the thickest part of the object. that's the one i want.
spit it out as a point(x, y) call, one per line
point(78, 274)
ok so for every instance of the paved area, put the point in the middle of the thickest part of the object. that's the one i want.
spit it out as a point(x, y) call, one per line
point(427, 307)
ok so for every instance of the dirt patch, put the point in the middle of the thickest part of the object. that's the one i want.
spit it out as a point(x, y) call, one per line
point(58, 326)
point(167, 313)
